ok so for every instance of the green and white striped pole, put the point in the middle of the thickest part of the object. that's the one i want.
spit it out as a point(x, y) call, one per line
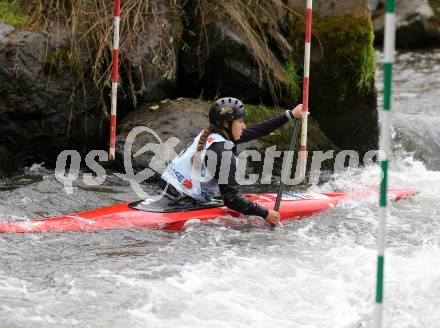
point(385, 150)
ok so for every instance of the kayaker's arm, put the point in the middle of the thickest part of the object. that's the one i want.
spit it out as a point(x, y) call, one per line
point(230, 191)
point(261, 129)
point(235, 201)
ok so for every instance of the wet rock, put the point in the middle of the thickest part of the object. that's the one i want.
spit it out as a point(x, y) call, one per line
point(5, 30)
point(46, 106)
point(223, 65)
point(26, 87)
point(40, 112)
point(416, 25)
point(8, 163)
point(150, 63)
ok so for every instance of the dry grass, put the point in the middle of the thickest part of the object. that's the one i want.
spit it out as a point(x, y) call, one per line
point(89, 26)
point(256, 21)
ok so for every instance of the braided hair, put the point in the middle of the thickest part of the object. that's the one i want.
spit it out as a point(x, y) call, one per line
point(211, 128)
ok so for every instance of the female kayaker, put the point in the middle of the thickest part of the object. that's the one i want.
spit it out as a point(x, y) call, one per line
point(225, 131)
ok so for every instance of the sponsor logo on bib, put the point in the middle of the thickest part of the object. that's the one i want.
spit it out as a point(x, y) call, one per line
point(187, 184)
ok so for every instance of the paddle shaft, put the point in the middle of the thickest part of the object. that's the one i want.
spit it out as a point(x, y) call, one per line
point(285, 170)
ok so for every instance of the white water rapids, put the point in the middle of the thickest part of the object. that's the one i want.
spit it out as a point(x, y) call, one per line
point(316, 272)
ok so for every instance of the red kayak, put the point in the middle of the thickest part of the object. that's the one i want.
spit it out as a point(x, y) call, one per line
point(158, 216)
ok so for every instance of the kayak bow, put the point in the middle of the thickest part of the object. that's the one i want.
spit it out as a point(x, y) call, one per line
point(125, 215)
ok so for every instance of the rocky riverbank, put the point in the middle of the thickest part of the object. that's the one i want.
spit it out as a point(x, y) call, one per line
point(417, 23)
point(55, 89)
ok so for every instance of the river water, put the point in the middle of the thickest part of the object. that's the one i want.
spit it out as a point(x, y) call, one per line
point(316, 272)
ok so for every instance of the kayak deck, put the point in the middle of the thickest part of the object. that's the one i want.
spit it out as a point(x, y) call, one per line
point(124, 216)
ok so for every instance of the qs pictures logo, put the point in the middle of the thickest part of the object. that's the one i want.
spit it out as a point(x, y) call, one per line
point(163, 152)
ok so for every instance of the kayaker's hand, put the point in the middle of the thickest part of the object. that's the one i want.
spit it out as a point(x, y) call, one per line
point(273, 217)
point(297, 111)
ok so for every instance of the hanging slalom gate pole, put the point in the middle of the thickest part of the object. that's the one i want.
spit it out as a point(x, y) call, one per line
point(303, 148)
point(114, 79)
point(285, 171)
point(385, 150)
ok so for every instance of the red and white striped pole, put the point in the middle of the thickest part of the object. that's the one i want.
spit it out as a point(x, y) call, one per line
point(114, 79)
point(303, 148)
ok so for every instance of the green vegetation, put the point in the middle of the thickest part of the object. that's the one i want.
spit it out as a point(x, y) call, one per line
point(367, 69)
point(293, 80)
point(348, 41)
point(344, 53)
point(317, 140)
point(12, 13)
